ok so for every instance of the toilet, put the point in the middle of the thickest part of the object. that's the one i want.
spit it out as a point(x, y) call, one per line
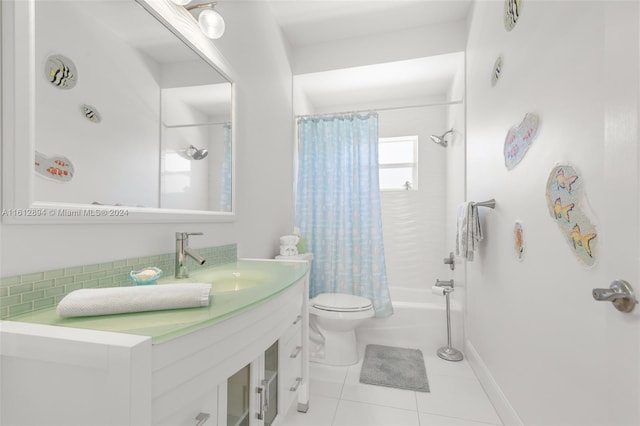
point(333, 319)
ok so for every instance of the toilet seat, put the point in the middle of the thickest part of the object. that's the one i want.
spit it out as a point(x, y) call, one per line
point(339, 302)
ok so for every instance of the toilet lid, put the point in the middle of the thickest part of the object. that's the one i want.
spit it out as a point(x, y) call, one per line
point(339, 302)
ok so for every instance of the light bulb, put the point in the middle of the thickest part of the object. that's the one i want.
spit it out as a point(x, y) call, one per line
point(181, 2)
point(211, 23)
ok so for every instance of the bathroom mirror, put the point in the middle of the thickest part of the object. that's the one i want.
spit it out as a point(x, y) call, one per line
point(123, 112)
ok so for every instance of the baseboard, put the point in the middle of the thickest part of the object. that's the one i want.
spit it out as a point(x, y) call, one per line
point(500, 402)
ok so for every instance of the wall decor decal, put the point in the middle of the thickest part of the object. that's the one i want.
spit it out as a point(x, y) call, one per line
point(497, 69)
point(519, 139)
point(512, 9)
point(518, 237)
point(56, 167)
point(61, 72)
point(90, 113)
point(565, 198)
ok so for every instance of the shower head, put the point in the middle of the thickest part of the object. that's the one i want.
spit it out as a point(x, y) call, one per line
point(440, 140)
point(195, 153)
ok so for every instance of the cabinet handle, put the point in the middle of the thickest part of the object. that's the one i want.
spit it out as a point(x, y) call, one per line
point(202, 418)
point(297, 385)
point(298, 318)
point(265, 384)
point(296, 353)
point(260, 414)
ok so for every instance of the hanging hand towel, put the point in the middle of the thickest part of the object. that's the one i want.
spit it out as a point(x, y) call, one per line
point(119, 300)
point(469, 230)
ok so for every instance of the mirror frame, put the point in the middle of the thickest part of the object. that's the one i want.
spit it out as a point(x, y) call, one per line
point(18, 124)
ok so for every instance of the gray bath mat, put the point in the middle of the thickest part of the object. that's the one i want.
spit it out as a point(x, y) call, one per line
point(394, 367)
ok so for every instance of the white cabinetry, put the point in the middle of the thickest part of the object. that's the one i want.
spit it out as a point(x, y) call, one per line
point(55, 375)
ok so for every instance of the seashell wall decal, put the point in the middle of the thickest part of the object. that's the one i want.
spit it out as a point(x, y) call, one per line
point(61, 72)
point(512, 9)
point(90, 113)
point(56, 167)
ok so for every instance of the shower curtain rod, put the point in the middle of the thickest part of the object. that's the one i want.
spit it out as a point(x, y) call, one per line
point(175, 126)
point(381, 109)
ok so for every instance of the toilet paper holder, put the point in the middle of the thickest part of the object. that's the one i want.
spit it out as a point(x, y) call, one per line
point(448, 284)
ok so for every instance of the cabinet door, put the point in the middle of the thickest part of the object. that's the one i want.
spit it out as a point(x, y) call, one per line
point(270, 384)
point(250, 396)
point(237, 393)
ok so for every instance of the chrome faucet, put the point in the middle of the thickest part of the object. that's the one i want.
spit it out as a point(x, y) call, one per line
point(182, 251)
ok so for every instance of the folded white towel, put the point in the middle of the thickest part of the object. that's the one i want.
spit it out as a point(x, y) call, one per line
point(118, 300)
point(469, 230)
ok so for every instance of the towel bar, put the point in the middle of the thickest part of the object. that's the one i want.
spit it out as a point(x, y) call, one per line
point(489, 203)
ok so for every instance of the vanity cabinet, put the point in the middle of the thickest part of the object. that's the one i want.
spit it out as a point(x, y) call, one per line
point(210, 376)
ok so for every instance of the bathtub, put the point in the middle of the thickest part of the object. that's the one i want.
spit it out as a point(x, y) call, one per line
point(418, 321)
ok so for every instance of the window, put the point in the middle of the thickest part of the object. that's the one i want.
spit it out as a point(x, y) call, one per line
point(398, 163)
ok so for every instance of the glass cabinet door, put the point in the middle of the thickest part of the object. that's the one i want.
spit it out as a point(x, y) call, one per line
point(238, 387)
point(270, 383)
point(252, 392)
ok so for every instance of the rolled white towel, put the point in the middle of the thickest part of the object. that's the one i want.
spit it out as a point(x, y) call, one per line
point(119, 300)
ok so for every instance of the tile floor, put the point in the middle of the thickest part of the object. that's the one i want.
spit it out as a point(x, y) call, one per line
point(337, 398)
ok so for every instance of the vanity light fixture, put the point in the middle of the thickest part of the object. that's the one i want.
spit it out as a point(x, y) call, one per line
point(210, 21)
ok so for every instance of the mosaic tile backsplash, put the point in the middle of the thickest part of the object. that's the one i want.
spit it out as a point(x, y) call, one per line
point(25, 293)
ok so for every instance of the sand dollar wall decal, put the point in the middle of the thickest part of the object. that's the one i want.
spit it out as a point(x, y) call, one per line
point(512, 9)
point(519, 139)
point(565, 199)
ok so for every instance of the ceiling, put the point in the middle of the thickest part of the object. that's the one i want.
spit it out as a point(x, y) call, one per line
point(311, 22)
point(414, 81)
point(308, 22)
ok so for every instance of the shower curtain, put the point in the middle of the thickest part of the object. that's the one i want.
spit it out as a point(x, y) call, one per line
point(337, 206)
point(225, 171)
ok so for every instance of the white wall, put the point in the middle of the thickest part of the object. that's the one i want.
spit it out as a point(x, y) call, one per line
point(253, 46)
point(532, 327)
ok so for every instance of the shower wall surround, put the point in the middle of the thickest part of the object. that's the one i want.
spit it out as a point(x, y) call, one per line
point(29, 292)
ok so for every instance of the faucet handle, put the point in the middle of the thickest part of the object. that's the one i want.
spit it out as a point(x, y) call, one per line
point(185, 235)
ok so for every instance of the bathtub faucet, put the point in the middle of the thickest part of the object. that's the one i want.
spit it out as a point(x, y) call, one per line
point(182, 251)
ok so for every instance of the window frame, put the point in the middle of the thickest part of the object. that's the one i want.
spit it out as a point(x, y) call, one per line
point(413, 165)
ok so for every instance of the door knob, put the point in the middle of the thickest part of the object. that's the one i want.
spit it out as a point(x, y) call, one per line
point(620, 293)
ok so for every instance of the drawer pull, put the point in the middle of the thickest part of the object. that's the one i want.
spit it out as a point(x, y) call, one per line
point(298, 318)
point(297, 385)
point(202, 418)
point(296, 353)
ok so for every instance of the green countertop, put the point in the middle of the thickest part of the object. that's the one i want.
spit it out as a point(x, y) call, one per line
point(236, 287)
